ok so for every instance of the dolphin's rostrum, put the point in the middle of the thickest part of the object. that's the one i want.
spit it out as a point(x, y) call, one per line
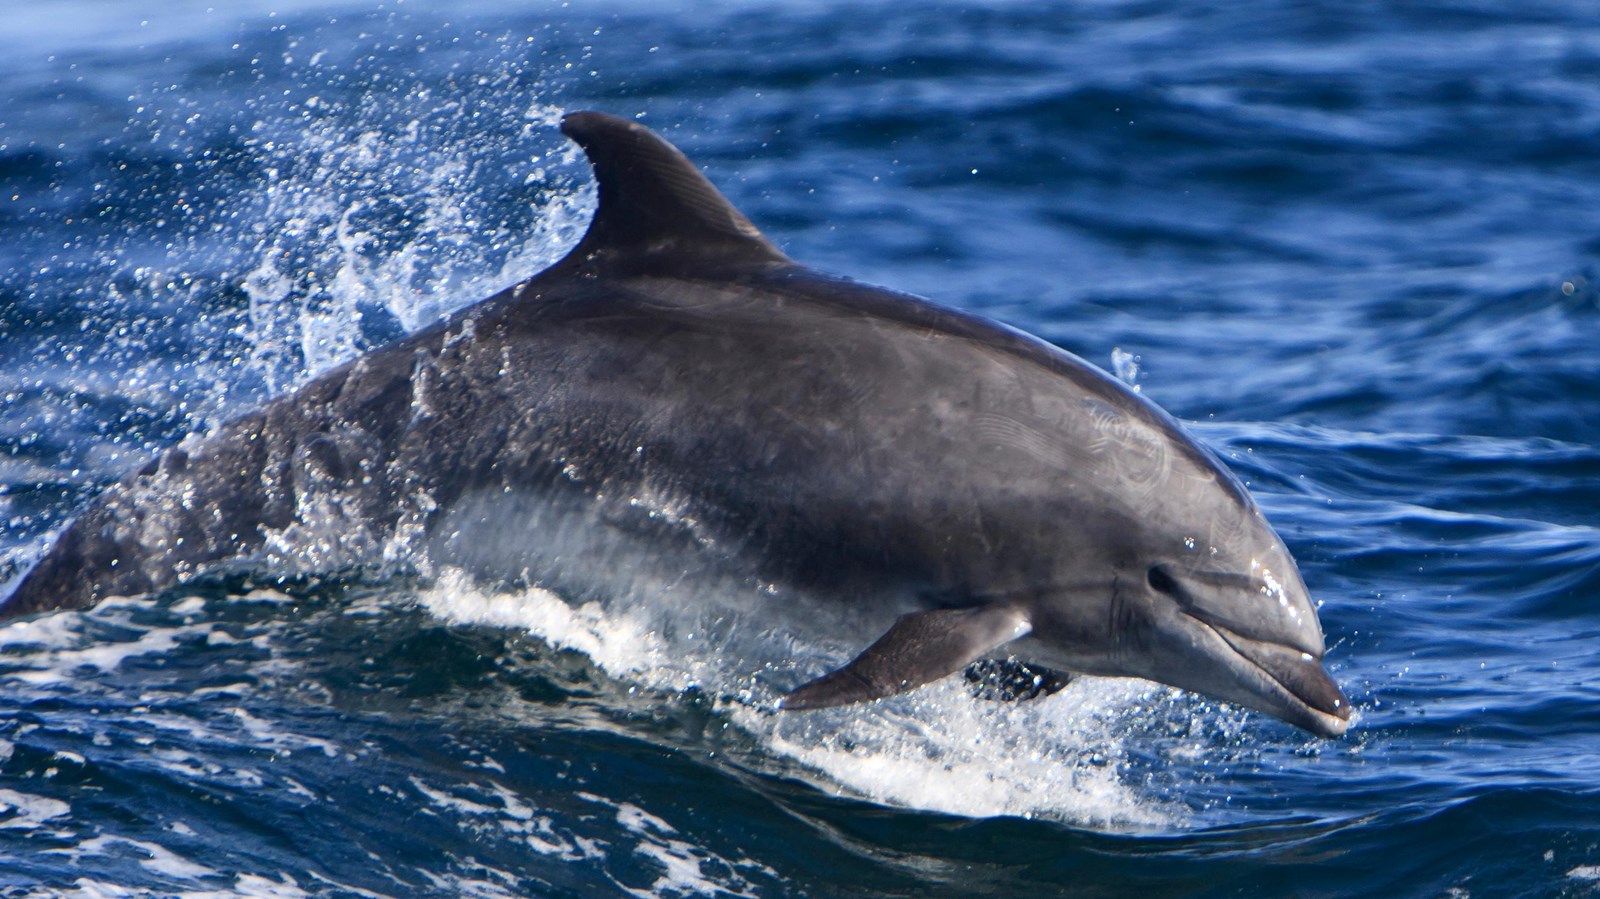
point(677, 395)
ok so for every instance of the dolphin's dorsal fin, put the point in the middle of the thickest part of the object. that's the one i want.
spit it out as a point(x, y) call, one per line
point(657, 212)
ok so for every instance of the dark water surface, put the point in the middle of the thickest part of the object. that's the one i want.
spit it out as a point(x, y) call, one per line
point(1354, 243)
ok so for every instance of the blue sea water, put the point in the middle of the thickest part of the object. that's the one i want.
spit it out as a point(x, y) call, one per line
point(1354, 244)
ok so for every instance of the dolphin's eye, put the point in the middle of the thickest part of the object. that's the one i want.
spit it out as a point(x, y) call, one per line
point(1163, 582)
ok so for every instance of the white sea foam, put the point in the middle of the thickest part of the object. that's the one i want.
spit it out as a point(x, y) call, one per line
point(622, 644)
point(491, 809)
point(683, 864)
point(59, 647)
point(265, 735)
point(687, 869)
point(944, 750)
point(938, 748)
point(21, 811)
point(152, 856)
point(245, 886)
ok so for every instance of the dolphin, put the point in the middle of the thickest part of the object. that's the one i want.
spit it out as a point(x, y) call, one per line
point(678, 396)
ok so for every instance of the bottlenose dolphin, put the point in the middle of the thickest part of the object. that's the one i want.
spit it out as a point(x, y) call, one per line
point(677, 394)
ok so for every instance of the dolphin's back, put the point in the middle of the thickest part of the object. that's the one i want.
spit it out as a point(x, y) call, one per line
point(675, 378)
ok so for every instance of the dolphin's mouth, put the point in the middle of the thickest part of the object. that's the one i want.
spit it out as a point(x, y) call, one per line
point(1309, 697)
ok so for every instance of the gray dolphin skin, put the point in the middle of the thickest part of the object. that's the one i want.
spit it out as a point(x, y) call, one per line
point(678, 398)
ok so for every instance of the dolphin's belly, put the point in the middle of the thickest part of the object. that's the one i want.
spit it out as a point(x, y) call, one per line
point(652, 559)
point(577, 545)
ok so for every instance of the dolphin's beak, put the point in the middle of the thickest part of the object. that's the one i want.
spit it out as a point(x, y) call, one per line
point(1275, 668)
point(1285, 682)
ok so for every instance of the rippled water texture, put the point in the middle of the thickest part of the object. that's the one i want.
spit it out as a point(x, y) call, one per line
point(1354, 245)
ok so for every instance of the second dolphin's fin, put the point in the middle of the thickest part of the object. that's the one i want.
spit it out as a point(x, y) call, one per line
point(920, 648)
point(1013, 680)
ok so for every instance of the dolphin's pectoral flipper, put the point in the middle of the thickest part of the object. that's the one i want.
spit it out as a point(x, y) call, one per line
point(1013, 680)
point(920, 648)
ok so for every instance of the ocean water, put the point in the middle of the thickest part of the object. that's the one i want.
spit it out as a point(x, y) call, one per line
point(1353, 244)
